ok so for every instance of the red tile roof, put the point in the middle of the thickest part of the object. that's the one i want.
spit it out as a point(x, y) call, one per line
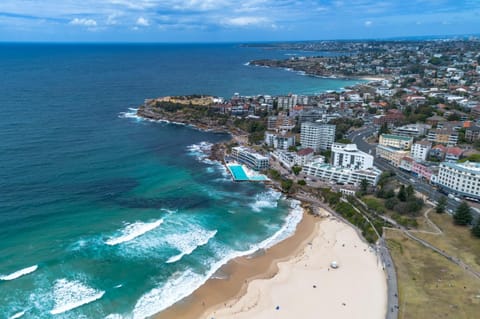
point(305, 151)
point(457, 151)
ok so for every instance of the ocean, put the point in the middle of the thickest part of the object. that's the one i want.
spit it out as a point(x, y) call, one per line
point(104, 215)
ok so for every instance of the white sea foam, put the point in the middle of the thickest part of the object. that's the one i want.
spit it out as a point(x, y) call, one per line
point(19, 273)
point(182, 285)
point(131, 114)
point(186, 243)
point(268, 199)
point(288, 228)
point(133, 231)
point(17, 315)
point(114, 316)
point(201, 150)
point(69, 295)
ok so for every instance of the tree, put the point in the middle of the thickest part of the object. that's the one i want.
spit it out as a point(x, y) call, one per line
point(402, 194)
point(442, 203)
point(287, 185)
point(476, 229)
point(453, 117)
point(302, 182)
point(344, 141)
point(364, 186)
point(390, 203)
point(383, 129)
point(410, 191)
point(296, 170)
point(463, 215)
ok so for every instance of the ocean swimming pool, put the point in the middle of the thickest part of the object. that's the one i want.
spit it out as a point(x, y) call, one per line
point(238, 173)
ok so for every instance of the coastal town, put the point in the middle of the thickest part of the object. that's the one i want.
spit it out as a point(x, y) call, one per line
point(381, 154)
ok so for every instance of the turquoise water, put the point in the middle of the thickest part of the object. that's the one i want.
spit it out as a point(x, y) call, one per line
point(103, 215)
point(258, 178)
point(238, 172)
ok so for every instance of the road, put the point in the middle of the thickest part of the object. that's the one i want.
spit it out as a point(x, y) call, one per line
point(392, 287)
point(358, 137)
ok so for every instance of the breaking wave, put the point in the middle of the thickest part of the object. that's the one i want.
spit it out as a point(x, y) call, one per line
point(19, 273)
point(187, 243)
point(132, 231)
point(268, 199)
point(69, 295)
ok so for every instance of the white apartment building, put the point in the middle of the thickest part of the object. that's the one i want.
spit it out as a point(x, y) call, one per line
point(396, 141)
point(251, 159)
point(420, 150)
point(462, 179)
point(279, 140)
point(300, 158)
point(327, 172)
point(317, 136)
point(349, 156)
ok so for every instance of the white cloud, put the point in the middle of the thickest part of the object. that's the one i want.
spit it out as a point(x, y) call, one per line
point(368, 23)
point(245, 21)
point(112, 19)
point(200, 5)
point(84, 22)
point(143, 22)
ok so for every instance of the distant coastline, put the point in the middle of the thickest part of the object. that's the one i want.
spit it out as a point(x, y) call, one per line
point(310, 66)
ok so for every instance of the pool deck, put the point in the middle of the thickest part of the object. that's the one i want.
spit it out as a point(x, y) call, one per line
point(241, 174)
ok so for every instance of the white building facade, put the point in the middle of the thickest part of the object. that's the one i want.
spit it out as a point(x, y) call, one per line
point(279, 140)
point(317, 136)
point(462, 179)
point(349, 156)
point(420, 150)
point(327, 172)
point(251, 159)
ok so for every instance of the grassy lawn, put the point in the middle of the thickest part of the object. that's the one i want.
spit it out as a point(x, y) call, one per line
point(430, 286)
point(455, 240)
point(378, 204)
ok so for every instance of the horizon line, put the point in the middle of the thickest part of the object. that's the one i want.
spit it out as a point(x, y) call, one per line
point(394, 38)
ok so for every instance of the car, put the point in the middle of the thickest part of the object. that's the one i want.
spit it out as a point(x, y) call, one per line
point(472, 199)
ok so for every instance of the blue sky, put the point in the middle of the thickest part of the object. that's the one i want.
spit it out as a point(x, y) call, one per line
point(232, 21)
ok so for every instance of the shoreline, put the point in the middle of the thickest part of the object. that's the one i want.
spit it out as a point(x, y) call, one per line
point(239, 273)
point(256, 285)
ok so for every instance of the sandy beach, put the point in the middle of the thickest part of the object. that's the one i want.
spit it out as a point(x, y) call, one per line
point(294, 279)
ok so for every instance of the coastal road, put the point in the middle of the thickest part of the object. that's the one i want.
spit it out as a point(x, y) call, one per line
point(358, 137)
point(392, 286)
